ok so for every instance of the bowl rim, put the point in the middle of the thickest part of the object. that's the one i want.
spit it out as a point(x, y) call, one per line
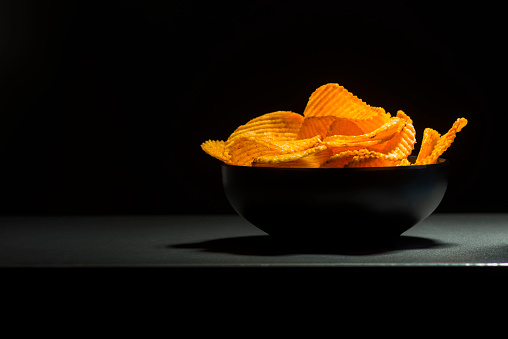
point(441, 162)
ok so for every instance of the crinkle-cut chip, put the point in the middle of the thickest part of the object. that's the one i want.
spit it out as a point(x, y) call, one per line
point(429, 141)
point(313, 126)
point(244, 149)
point(402, 115)
point(400, 146)
point(343, 126)
point(359, 146)
point(333, 99)
point(286, 160)
point(281, 124)
point(349, 145)
point(383, 133)
point(341, 159)
point(314, 160)
point(373, 123)
point(369, 158)
point(375, 159)
point(292, 146)
point(444, 142)
point(215, 148)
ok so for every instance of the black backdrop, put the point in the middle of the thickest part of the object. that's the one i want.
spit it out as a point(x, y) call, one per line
point(104, 104)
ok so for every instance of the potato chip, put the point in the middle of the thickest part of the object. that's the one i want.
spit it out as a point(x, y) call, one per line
point(335, 100)
point(282, 124)
point(444, 142)
point(286, 158)
point(402, 115)
point(337, 130)
point(312, 159)
point(429, 141)
point(349, 145)
point(292, 146)
point(344, 126)
point(244, 149)
point(341, 159)
point(313, 126)
point(215, 148)
point(402, 144)
point(375, 159)
point(383, 133)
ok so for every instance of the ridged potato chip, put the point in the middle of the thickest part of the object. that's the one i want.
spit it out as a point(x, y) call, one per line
point(341, 159)
point(281, 124)
point(376, 159)
point(336, 130)
point(401, 145)
point(344, 126)
point(295, 159)
point(383, 133)
point(243, 149)
point(313, 126)
point(292, 146)
point(335, 100)
point(429, 141)
point(444, 142)
point(215, 148)
point(328, 126)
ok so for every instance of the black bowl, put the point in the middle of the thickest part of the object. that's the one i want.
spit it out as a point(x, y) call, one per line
point(336, 204)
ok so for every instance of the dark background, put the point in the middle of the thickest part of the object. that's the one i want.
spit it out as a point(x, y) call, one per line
point(104, 104)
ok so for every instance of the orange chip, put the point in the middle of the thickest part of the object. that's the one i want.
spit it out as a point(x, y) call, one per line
point(244, 149)
point(313, 126)
point(341, 159)
point(383, 133)
point(343, 126)
point(335, 100)
point(313, 159)
point(215, 148)
point(402, 115)
point(337, 129)
point(328, 126)
point(288, 160)
point(374, 122)
point(444, 142)
point(401, 145)
point(375, 159)
point(348, 145)
point(281, 124)
point(429, 141)
point(292, 146)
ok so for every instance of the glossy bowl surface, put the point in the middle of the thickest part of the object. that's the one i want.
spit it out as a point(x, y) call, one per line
point(336, 204)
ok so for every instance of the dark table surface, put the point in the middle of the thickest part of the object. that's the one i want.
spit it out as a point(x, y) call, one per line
point(461, 240)
point(221, 266)
point(201, 257)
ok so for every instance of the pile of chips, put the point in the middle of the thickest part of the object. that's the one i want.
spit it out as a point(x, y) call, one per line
point(337, 130)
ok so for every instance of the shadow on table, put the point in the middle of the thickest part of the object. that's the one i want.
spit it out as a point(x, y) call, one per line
point(265, 245)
